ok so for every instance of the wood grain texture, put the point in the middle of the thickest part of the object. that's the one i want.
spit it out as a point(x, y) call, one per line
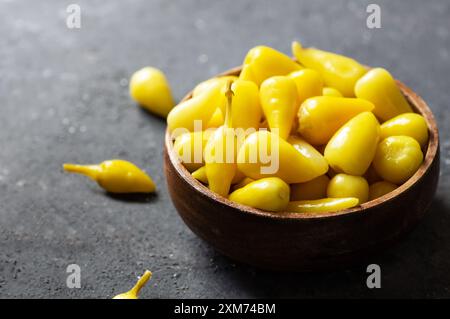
point(305, 242)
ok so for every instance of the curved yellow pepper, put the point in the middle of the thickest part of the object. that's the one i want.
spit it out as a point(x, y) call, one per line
point(220, 156)
point(409, 124)
point(134, 292)
point(397, 158)
point(296, 164)
point(279, 102)
point(379, 189)
point(309, 83)
point(149, 88)
point(325, 205)
point(338, 71)
point(379, 87)
point(320, 117)
point(246, 110)
point(200, 108)
point(327, 91)
point(314, 189)
point(263, 62)
point(116, 176)
point(190, 148)
point(343, 185)
point(352, 148)
point(270, 194)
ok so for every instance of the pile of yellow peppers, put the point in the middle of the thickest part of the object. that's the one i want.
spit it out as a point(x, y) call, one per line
point(322, 113)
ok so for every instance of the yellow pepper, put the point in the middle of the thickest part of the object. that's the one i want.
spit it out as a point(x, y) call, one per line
point(211, 83)
point(279, 101)
point(200, 175)
point(220, 153)
point(263, 62)
point(270, 194)
point(409, 124)
point(216, 119)
point(314, 189)
point(338, 71)
point(379, 87)
point(324, 205)
point(264, 154)
point(343, 185)
point(245, 181)
point(320, 117)
point(134, 292)
point(379, 189)
point(397, 158)
point(190, 148)
point(246, 110)
point(116, 176)
point(149, 88)
point(200, 108)
point(352, 148)
point(309, 83)
point(327, 91)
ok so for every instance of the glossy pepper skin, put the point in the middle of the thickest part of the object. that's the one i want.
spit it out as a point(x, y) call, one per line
point(397, 158)
point(379, 189)
point(279, 102)
point(338, 71)
point(343, 185)
point(246, 109)
point(409, 124)
point(149, 88)
point(210, 83)
point(352, 148)
point(200, 175)
point(263, 62)
point(309, 83)
point(296, 164)
point(270, 194)
point(134, 292)
point(220, 153)
point(116, 176)
point(320, 117)
point(201, 107)
point(379, 87)
point(314, 189)
point(327, 91)
point(324, 205)
point(190, 148)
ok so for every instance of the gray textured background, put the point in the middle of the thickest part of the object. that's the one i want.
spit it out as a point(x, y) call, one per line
point(64, 97)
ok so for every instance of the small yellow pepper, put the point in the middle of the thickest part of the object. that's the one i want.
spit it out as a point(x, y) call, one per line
point(327, 91)
point(379, 87)
point(246, 110)
point(190, 148)
point(116, 176)
point(343, 185)
point(198, 108)
point(149, 88)
point(265, 154)
point(270, 194)
point(220, 156)
point(263, 62)
point(338, 71)
point(352, 148)
point(324, 205)
point(409, 124)
point(320, 117)
point(314, 189)
point(379, 189)
point(134, 292)
point(397, 158)
point(200, 175)
point(211, 83)
point(309, 83)
point(279, 101)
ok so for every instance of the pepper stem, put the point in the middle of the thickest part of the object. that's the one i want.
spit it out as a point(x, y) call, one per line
point(141, 282)
point(88, 170)
point(229, 95)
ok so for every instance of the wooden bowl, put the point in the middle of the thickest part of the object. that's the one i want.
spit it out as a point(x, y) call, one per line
point(296, 242)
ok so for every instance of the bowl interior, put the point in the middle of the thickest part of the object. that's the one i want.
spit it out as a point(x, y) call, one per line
point(416, 102)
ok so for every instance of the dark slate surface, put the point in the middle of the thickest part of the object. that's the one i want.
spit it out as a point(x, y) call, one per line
point(63, 97)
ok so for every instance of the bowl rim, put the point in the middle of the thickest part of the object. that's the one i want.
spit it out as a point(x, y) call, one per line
point(416, 102)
